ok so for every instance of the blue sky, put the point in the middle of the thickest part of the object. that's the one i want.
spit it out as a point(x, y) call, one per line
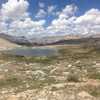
point(83, 5)
point(49, 17)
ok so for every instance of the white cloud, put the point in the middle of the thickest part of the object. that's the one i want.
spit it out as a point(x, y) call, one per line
point(68, 11)
point(51, 9)
point(41, 14)
point(14, 19)
point(27, 23)
point(89, 22)
point(91, 16)
point(27, 26)
point(41, 5)
point(14, 9)
point(68, 23)
point(3, 27)
point(47, 12)
point(64, 23)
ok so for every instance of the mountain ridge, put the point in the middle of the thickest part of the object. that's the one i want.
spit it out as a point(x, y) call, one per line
point(50, 40)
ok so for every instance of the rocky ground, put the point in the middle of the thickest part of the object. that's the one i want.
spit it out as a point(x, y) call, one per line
point(72, 75)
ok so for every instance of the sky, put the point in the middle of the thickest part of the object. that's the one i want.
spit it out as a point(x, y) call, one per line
point(49, 17)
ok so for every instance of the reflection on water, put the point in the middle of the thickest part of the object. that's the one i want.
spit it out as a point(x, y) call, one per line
point(33, 52)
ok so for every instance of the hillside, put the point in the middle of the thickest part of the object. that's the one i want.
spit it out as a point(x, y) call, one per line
point(48, 40)
point(32, 41)
point(4, 44)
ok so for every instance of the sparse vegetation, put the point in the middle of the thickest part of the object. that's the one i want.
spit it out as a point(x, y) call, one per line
point(73, 78)
point(73, 65)
point(94, 75)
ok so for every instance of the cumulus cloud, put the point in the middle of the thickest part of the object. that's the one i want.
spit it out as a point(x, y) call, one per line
point(41, 5)
point(16, 20)
point(14, 9)
point(27, 23)
point(92, 16)
point(89, 22)
point(51, 9)
point(64, 23)
point(68, 23)
point(68, 11)
point(41, 14)
point(3, 27)
point(27, 26)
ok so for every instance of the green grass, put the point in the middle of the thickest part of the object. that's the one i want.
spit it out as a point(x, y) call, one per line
point(94, 75)
point(10, 82)
point(42, 60)
point(94, 91)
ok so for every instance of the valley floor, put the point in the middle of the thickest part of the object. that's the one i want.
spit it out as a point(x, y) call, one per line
point(72, 75)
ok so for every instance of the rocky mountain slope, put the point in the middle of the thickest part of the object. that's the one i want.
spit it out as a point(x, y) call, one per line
point(22, 40)
point(49, 40)
point(4, 44)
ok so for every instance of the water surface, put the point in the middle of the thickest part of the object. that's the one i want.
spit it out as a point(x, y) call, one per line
point(33, 51)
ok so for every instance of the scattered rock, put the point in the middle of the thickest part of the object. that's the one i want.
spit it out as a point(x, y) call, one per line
point(85, 96)
point(12, 97)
